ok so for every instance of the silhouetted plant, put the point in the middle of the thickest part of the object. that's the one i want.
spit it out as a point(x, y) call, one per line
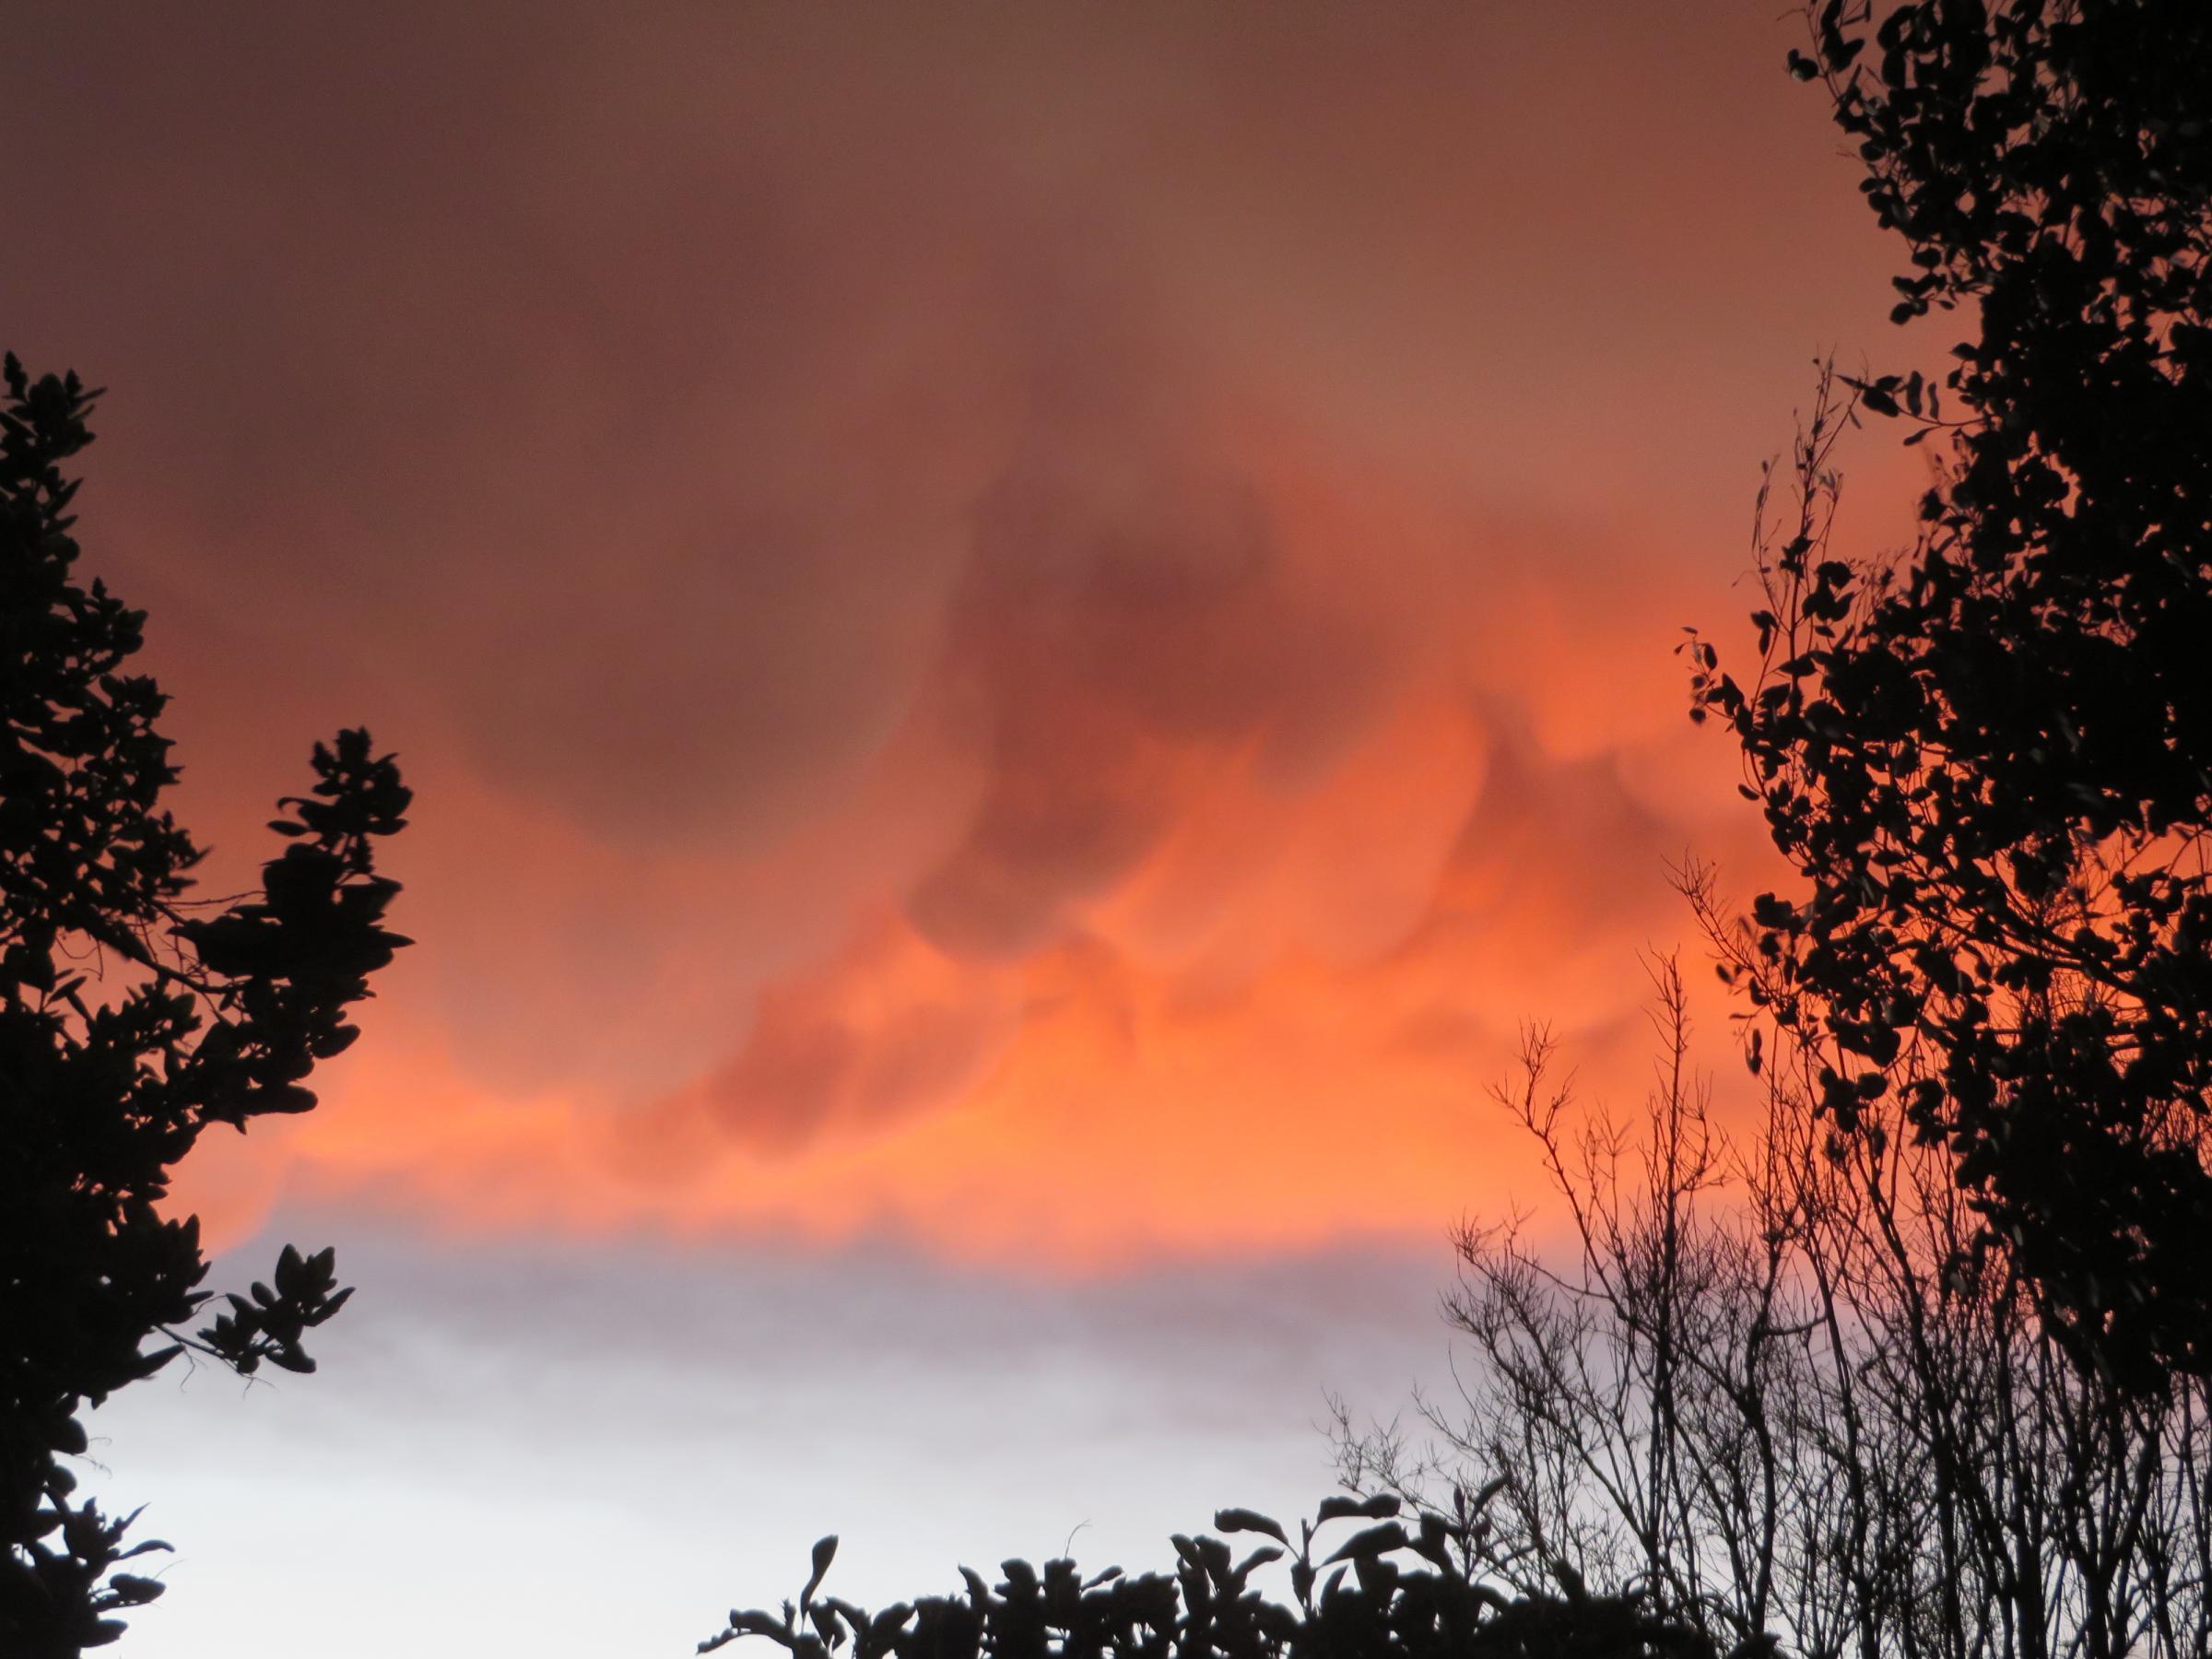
point(1372, 1604)
point(1752, 1383)
point(1990, 759)
point(129, 1026)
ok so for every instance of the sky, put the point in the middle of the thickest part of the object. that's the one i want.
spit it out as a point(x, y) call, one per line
point(1027, 637)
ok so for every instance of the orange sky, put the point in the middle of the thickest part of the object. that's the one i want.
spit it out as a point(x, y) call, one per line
point(1037, 633)
point(1026, 636)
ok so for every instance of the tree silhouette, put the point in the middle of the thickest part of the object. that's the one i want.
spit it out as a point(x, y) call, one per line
point(1747, 1384)
point(1991, 758)
point(128, 1026)
point(1373, 1605)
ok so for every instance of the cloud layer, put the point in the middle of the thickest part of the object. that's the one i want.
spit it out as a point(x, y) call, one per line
point(1038, 631)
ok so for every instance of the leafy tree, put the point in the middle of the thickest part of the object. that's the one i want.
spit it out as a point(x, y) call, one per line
point(1991, 758)
point(130, 1022)
point(1373, 1606)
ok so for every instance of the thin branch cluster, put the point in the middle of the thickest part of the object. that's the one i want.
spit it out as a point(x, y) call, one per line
point(1777, 1390)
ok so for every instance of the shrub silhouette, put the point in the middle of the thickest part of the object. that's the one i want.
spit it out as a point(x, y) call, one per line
point(131, 1021)
point(1990, 759)
point(1370, 1605)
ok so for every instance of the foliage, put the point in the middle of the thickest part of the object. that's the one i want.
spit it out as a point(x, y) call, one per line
point(1752, 1387)
point(1992, 759)
point(129, 1025)
point(1372, 1604)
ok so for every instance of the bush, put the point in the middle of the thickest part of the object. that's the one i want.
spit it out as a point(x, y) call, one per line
point(1373, 1602)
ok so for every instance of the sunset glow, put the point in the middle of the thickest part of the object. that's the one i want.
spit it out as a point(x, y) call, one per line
point(1026, 639)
